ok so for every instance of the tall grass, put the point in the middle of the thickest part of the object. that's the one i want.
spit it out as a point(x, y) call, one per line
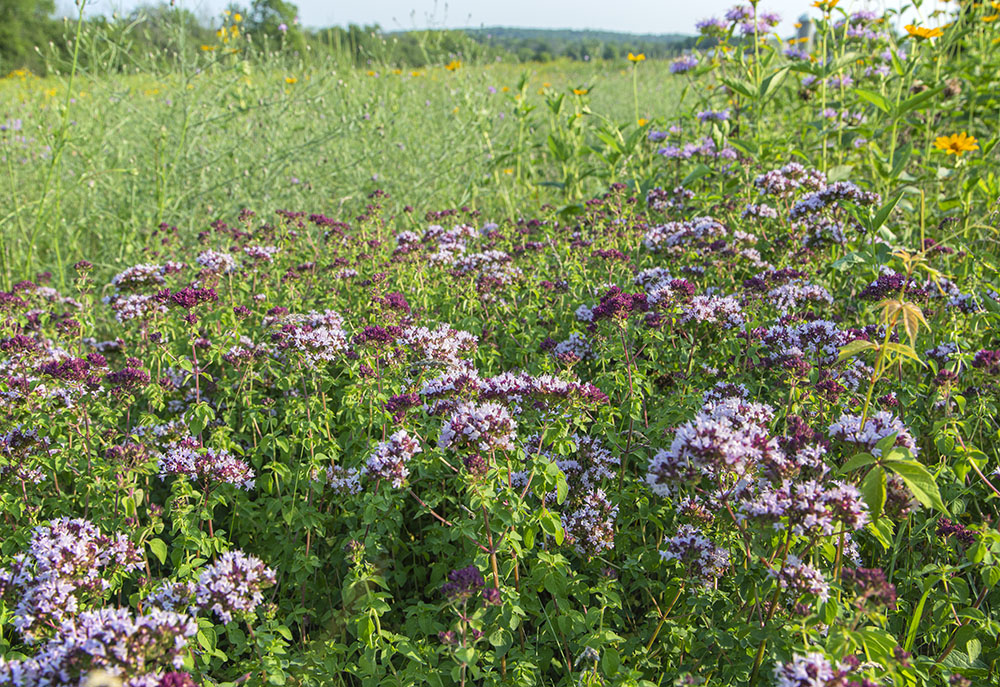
point(215, 132)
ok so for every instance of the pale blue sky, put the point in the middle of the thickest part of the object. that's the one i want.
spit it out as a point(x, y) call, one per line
point(634, 16)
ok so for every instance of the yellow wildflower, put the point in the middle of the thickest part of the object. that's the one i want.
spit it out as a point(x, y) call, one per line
point(991, 18)
point(956, 144)
point(581, 91)
point(208, 48)
point(636, 58)
point(237, 17)
point(453, 65)
point(921, 32)
point(643, 121)
point(291, 80)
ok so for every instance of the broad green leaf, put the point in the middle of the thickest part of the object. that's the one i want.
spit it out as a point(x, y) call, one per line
point(920, 481)
point(858, 460)
point(855, 347)
point(873, 490)
point(917, 101)
point(876, 99)
point(905, 351)
point(697, 173)
point(772, 82)
point(159, 549)
point(610, 662)
point(883, 212)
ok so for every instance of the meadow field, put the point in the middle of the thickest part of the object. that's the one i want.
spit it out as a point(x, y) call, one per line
point(613, 372)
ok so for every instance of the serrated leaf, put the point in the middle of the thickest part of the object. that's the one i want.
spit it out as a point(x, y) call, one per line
point(905, 351)
point(920, 481)
point(913, 317)
point(855, 347)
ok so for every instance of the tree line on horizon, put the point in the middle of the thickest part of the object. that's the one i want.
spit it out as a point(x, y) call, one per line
point(156, 35)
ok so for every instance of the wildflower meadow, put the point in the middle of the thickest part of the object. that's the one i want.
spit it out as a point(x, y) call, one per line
point(627, 372)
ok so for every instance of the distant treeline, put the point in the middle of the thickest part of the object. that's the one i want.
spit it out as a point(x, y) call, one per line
point(154, 36)
point(542, 45)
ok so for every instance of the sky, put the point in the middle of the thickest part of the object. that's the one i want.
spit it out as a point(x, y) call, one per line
point(632, 16)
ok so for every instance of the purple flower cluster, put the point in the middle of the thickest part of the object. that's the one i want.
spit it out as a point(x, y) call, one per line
point(233, 584)
point(713, 116)
point(207, 465)
point(987, 361)
point(870, 586)
point(684, 64)
point(463, 584)
point(67, 562)
point(712, 26)
point(590, 527)
point(796, 578)
point(809, 508)
point(832, 195)
point(343, 481)
point(706, 149)
point(703, 560)
point(216, 262)
point(725, 311)
point(786, 181)
point(727, 437)
point(672, 234)
point(388, 461)
point(134, 648)
point(877, 427)
point(891, 284)
point(483, 427)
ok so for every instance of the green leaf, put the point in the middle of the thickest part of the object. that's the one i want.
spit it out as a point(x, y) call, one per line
point(859, 460)
point(873, 489)
point(839, 173)
point(882, 530)
point(920, 481)
point(883, 212)
point(911, 632)
point(879, 101)
point(610, 662)
point(552, 526)
point(697, 173)
point(159, 549)
point(855, 347)
point(878, 642)
point(562, 491)
point(905, 351)
point(739, 87)
point(918, 101)
point(771, 83)
point(406, 649)
point(848, 261)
